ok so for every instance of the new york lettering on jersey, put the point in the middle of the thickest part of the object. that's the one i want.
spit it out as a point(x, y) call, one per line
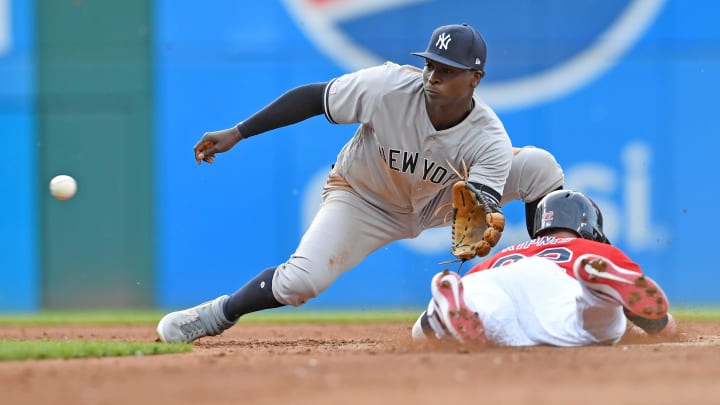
point(416, 162)
point(407, 162)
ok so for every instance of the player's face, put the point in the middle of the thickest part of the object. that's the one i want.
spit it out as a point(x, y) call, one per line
point(445, 84)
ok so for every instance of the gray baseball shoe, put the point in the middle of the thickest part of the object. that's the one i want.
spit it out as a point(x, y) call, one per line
point(206, 319)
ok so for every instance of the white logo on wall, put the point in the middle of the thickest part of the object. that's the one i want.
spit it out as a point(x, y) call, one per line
point(4, 26)
point(320, 24)
point(633, 208)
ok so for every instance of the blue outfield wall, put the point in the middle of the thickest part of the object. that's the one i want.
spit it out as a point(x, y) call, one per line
point(18, 208)
point(622, 92)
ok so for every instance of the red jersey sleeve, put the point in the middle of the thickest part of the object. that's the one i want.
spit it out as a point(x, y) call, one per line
point(561, 251)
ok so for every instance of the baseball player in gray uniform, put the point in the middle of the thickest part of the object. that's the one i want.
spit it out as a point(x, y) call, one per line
point(417, 127)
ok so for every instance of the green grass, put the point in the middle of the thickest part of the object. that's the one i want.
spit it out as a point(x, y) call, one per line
point(65, 349)
point(699, 313)
point(149, 317)
point(295, 315)
point(37, 349)
point(279, 315)
point(68, 349)
point(88, 317)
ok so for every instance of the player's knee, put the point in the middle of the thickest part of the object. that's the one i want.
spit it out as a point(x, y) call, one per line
point(540, 173)
point(539, 160)
point(298, 281)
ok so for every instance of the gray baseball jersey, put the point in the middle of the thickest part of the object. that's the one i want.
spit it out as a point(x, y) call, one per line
point(397, 160)
point(390, 177)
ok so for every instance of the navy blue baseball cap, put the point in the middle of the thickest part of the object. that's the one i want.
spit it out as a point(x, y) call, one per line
point(456, 45)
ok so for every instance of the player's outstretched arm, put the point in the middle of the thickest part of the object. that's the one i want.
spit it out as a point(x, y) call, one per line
point(216, 142)
point(294, 106)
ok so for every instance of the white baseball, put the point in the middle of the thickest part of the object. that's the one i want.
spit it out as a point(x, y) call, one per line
point(63, 187)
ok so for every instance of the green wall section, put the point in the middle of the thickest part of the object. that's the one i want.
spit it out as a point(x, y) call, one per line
point(95, 124)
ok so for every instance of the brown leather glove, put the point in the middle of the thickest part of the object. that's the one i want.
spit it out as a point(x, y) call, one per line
point(477, 223)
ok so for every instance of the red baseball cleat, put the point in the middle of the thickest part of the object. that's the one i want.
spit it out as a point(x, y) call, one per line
point(635, 291)
point(463, 323)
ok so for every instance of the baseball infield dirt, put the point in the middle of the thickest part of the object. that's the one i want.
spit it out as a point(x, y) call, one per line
point(319, 364)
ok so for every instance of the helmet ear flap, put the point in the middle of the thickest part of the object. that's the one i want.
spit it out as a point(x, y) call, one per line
point(571, 210)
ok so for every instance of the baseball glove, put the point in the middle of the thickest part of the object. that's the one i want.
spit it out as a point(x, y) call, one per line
point(477, 223)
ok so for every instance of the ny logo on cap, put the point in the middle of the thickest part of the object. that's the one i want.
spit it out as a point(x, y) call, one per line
point(443, 41)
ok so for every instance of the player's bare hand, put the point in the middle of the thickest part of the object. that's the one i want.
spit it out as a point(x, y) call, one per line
point(215, 142)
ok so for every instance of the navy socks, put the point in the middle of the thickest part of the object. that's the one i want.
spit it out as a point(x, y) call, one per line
point(254, 296)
